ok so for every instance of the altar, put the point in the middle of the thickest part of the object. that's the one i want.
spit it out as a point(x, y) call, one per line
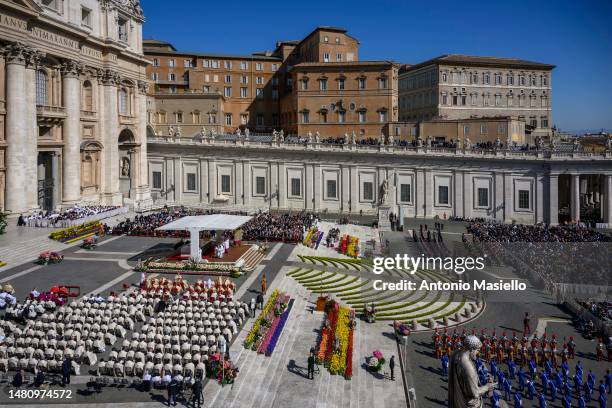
point(196, 224)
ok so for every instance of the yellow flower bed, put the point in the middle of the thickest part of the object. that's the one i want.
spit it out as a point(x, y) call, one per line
point(338, 360)
point(76, 231)
point(248, 342)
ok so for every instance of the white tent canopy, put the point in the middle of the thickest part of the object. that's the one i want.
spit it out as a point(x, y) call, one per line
point(212, 222)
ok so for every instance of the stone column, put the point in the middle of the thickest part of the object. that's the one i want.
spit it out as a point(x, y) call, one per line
point(110, 81)
point(71, 180)
point(430, 193)
point(143, 190)
point(30, 166)
point(575, 198)
point(553, 199)
point(246, 168)
point(354, 183)
point(282, 185)
point(468, 196)
point(16, 132)
point(539, 201)
point(317, 187)
point(607, 199)
point(509, 204)
point(458, 193)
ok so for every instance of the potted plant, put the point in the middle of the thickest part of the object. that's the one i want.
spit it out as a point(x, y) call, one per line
point(376, 361)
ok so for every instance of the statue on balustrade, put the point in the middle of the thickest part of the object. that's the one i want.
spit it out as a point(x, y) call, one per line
point(384, 192)
point(464, 389)
point(309, 137)
point(317, 137)
point(467, 143)
point(274, 135)
point(247, 133)
point(390, 140)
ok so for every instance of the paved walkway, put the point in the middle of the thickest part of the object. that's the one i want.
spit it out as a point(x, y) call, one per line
point(19, 245)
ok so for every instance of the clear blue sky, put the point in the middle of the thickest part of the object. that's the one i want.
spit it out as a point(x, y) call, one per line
point(574, 35)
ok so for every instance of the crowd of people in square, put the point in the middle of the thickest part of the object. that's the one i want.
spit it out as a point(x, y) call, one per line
point(278, 227)
point(68, 216)
point(146, 225)
point(486, 231)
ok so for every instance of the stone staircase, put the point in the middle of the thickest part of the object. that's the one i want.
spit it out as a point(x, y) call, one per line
point(251, 259)
point(280, 380)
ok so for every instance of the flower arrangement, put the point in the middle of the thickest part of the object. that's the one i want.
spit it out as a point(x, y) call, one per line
point(225, 267)
point(279, 329)
point(401, 329)
point(221, 370)
point(271, 324)
point(349, 245)
point(376, 361)
point(47, 257)
point(76, 232)
point(255, 334)
point(335, 349)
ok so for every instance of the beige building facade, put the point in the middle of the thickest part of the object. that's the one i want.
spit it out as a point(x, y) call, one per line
point(454, 87)
point(72, 104)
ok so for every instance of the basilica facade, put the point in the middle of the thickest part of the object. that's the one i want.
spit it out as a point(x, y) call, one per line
point(72, 104)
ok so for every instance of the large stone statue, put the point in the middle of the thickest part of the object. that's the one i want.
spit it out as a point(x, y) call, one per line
point(317, 137)
point(125, 167)
point(353, 138)
point(467, 143)
point(274, 135)
point(384, 191)
point(309, 137)
point(346, 138)
point(390, 140)
point(281, 135)
point(177, 131)
point(429, 141)
point(464, 390)
point(247, 133)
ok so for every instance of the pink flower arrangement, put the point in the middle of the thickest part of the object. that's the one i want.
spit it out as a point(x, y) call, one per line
point(377, 354)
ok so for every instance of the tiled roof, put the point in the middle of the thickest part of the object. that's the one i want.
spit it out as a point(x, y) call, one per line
point(481, 61)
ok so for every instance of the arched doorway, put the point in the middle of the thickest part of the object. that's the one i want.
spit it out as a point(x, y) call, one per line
point(127, 163)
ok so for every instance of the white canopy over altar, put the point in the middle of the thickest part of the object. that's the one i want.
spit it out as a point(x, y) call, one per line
point(212, 222)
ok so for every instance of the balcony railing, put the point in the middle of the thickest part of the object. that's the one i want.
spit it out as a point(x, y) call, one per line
point(88, 114)
point(127, 119)
point(50, 111)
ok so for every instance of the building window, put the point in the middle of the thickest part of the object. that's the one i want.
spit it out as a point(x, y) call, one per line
point(510, 79)
point(154, 76)
point(323, 84)
point(227, 64)
point(444, 99)
point(259, 80)
point(466, 129)
point(171, 77)
point(368, 191)
point(296, 188)
point(259, 93)
point(85, 17)
point(157, 180)
point(87, 96)
point(544, 80)
point(444, 77)
point(226, 184)
point(244, 65)
point(341, 116)
point(179, 117)
point(214, 64)
point(443, 195)
point(260, 185)
point(212, 118)
point(361, 116)
point(487, 79)
point(123, 102)
point(382, 116)
point(227, 91)
point(304, 84)
point(244, 79)
point(275, 94)
point(258, 66)
point(122, 29)
point(191, 182)
point(544, 121)
point(341, 83)
point(206, 63)
point(339, 57)
point(259, 119)
point(455, 100)
point(331, 189)
point(326, 39)
point(498, 79)
point(305, 116)
point(324, 116)
point(274, 67)
point(156, 62)
point(522, 80)
point(382, 83)
point(501, 129)
point(228, 79)
point(243, 92)
point(326, 57)
point(172, 63)
point(497, 100)
point(228, 119)
point(244, 119)
point(523, 200)
point(187, 63)
point(544, 101)
point(361, 83)
point(41, 87)
point(483, 197)
point(405, 194)
point(483, 129)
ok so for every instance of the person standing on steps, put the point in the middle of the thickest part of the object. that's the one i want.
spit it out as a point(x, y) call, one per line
point(264, 284)
point(392, 367)
point(311, 363)
point(526, 324)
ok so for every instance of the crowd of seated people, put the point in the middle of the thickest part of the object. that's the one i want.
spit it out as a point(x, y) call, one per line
point(485, 231)
point(55, 218)
point(603, 310)
point(278, 227)
point(146, 225)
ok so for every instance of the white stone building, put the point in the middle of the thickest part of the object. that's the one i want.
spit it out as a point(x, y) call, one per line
point(522, 186)
point(72, 103)
point(462, 87)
